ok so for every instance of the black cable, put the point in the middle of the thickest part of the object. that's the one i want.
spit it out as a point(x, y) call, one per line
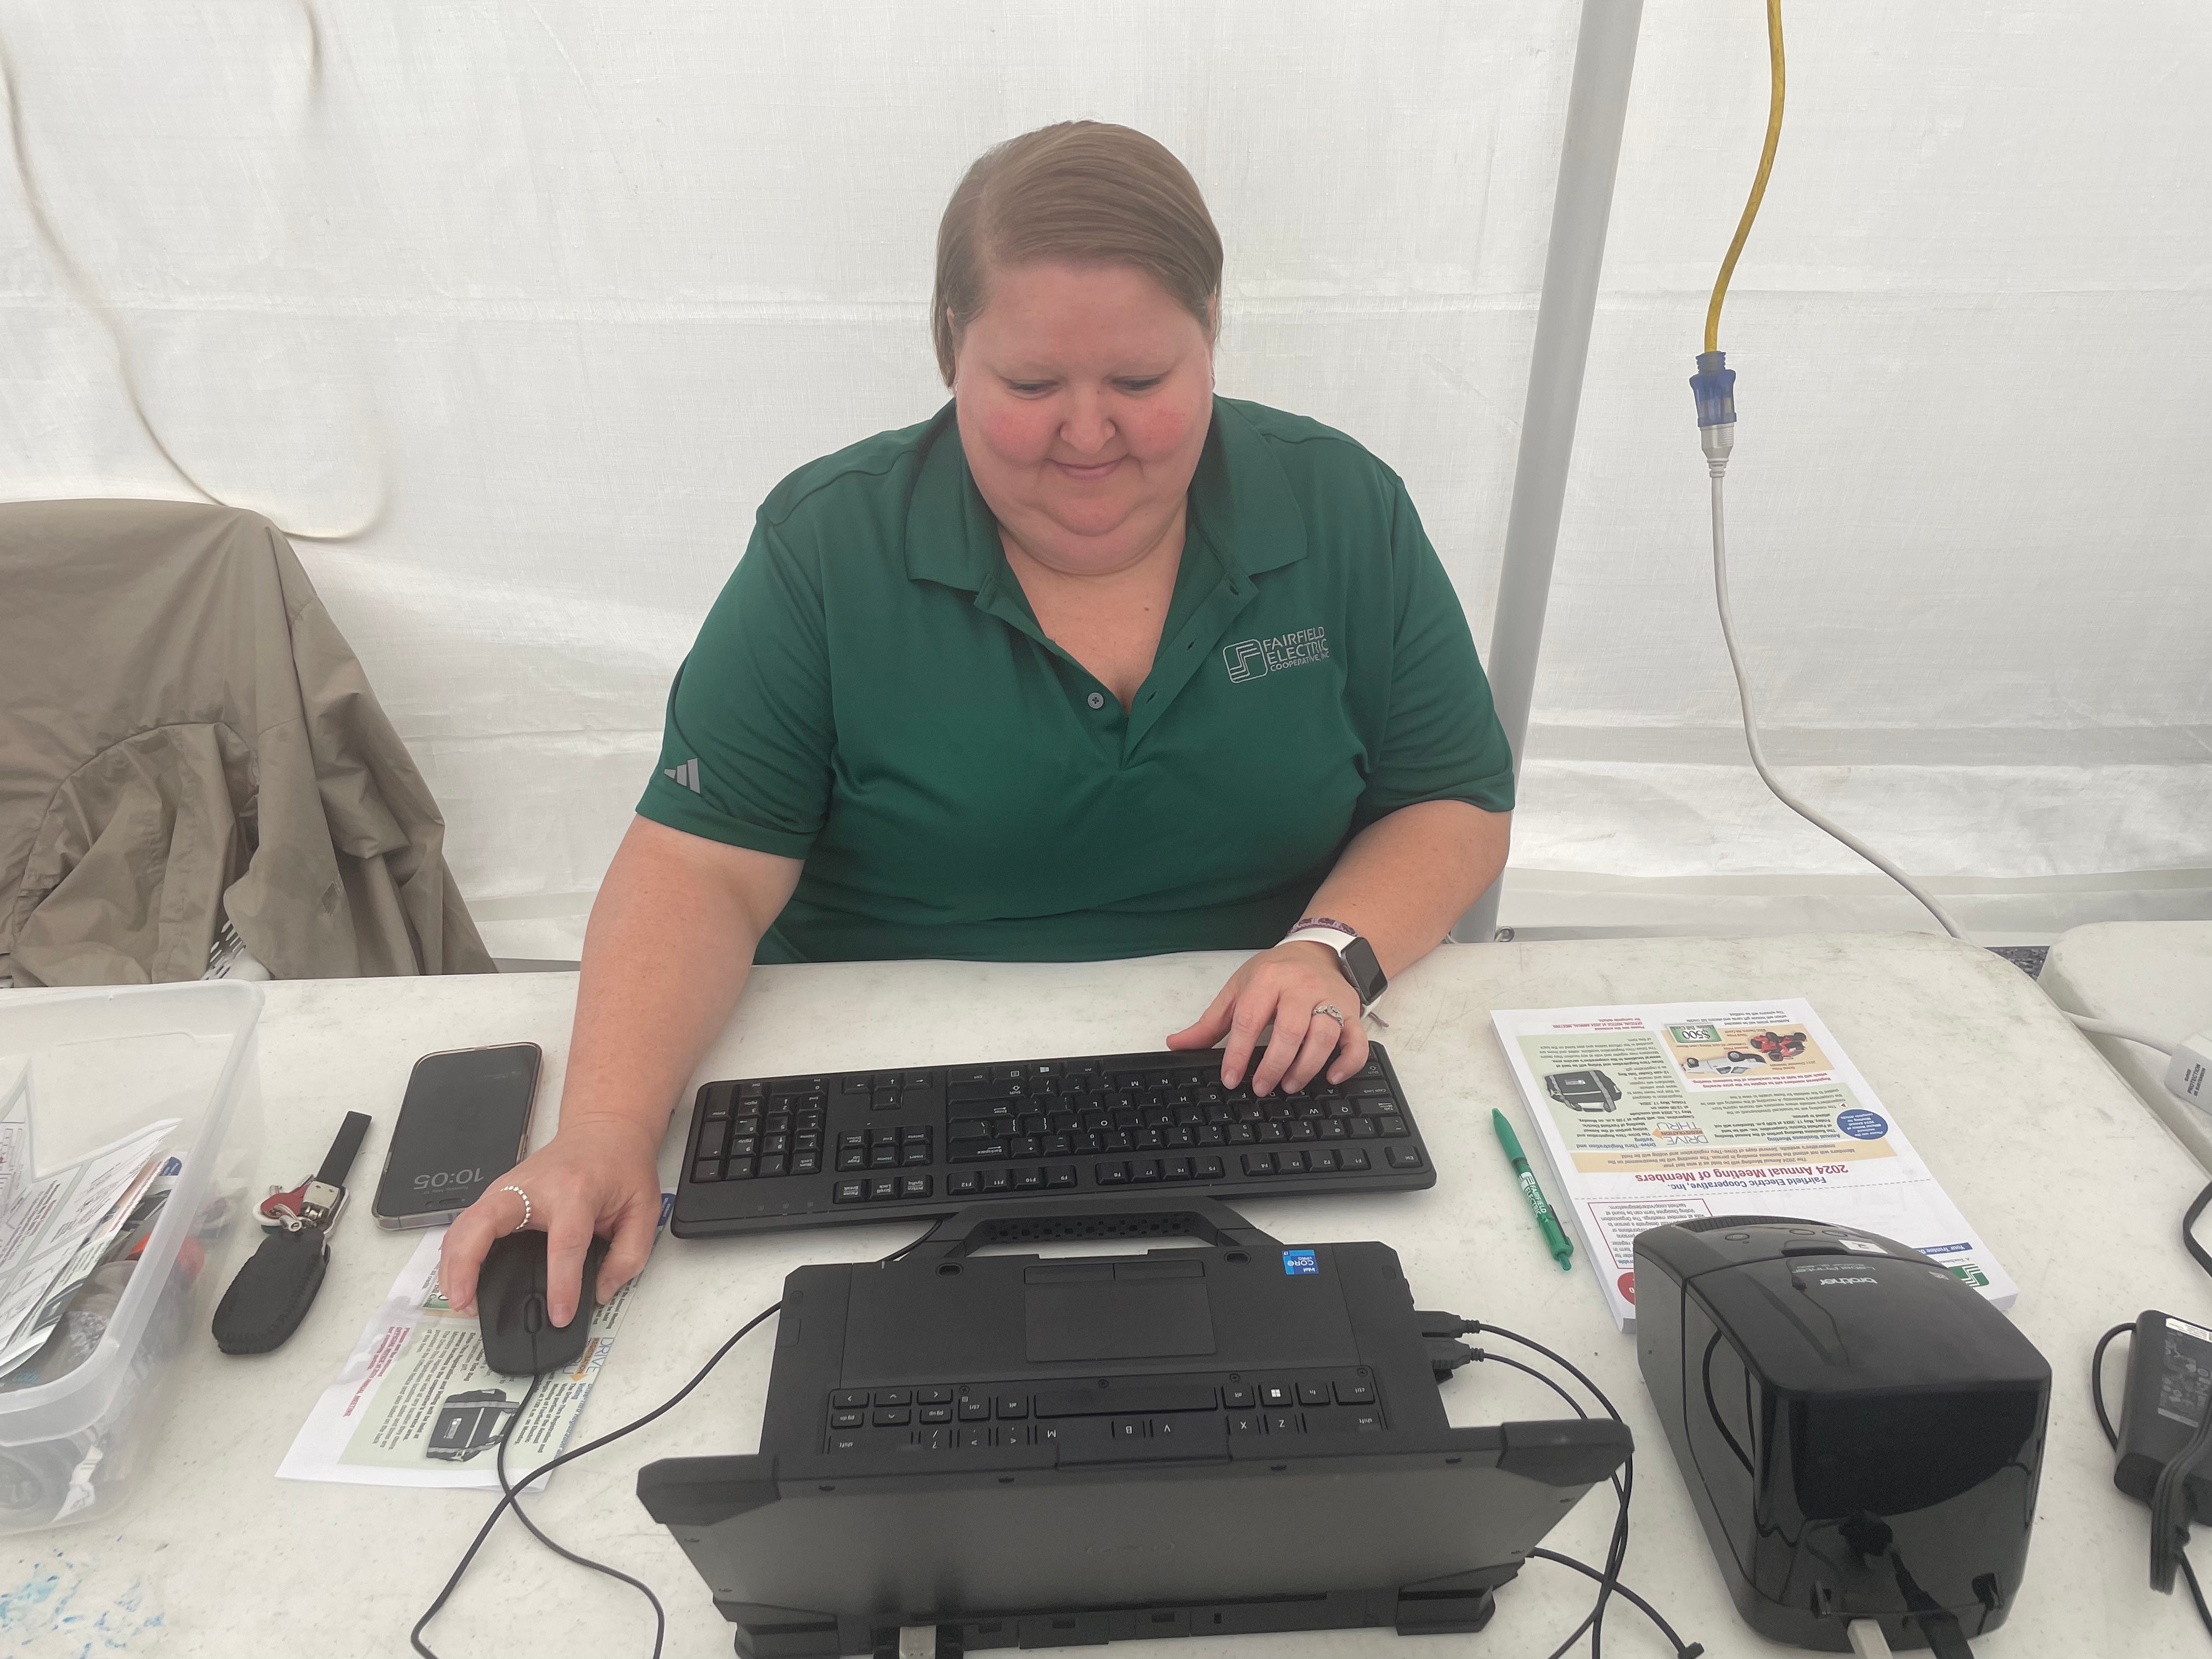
point(1617, 1552)
point(506, 1499)
point(415, 1636)
point(2097, 1384)
point(510, 1496)
point(2188, 1233)
point(514, 1497)
point(1682, 1649)
point(2196, 1594)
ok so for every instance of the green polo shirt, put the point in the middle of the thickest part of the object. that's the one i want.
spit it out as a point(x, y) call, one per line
point(873, 695)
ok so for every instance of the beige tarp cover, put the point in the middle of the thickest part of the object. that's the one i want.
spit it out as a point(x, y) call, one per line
point(185, 735)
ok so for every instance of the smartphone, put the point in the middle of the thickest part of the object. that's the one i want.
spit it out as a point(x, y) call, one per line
point(462, 1125)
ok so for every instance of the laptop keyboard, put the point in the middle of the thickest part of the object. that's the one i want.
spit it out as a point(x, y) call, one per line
point(1128, 1420)
point(768, 1153)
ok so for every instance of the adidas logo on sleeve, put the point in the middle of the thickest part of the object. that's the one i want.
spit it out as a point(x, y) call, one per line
point(687, 774)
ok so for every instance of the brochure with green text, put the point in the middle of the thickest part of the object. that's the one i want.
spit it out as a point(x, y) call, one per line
point(1676, 1111)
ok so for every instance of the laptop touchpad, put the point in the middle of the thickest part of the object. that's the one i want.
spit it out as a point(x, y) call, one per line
point(1116, 1311)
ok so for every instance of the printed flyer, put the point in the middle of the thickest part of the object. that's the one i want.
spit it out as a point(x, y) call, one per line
point(1676, 1111)
point(416, 1406)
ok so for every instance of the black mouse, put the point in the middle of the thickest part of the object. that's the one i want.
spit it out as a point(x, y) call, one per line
point(519, 1337)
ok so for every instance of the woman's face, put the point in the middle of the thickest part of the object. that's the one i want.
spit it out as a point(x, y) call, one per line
point(1083, 395)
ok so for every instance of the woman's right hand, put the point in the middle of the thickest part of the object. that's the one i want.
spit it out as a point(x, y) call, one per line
point(595, 1177)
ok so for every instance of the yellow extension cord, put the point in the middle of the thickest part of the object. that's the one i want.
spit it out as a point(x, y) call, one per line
point(1759, 183)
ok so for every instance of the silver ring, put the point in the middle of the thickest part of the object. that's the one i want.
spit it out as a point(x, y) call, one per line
point(1332, 1012)
point(524, 1197)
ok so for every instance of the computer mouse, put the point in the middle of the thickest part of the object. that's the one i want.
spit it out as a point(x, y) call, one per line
point(519, 1337)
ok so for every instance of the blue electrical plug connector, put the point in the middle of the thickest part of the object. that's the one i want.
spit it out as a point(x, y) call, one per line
point(1714, 387)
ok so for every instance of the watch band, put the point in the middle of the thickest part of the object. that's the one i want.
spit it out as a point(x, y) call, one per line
point(1355, 958)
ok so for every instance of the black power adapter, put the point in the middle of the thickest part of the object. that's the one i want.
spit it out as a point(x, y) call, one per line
point(2166, 1432)
point(2169, 1376)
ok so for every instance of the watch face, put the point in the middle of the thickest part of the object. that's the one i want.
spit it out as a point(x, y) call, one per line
point(1364, 971)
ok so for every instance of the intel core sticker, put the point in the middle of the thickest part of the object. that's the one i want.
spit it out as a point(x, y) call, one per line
point(1300, 1262)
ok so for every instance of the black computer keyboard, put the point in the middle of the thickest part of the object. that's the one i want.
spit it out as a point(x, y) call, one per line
point(767, 1153)
point(1120, 1420)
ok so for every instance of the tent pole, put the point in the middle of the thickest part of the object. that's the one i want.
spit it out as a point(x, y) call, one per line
point(1597, 106)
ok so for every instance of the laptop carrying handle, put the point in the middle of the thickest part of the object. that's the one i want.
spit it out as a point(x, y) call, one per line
point(1002, 1222)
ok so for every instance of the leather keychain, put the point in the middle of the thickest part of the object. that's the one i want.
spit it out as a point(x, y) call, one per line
point(274, 1290)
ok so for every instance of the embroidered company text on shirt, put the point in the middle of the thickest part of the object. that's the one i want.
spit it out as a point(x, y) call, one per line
point(1248, 659)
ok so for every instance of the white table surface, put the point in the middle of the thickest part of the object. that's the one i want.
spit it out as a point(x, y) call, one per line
point(2154, 977)
point(2077, 1189)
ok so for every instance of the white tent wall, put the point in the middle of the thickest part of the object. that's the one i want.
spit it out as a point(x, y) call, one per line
point(529, 304)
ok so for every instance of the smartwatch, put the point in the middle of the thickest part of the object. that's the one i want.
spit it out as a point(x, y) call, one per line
point(1355, 957)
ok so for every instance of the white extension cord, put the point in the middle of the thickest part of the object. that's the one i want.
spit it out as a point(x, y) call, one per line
point(2189, 1075)
point(1866, 1639)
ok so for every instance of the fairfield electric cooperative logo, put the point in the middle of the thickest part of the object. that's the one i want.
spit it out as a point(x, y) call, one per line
point(1248, 659)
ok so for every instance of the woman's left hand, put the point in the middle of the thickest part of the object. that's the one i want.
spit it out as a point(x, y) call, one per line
point(1286, 985)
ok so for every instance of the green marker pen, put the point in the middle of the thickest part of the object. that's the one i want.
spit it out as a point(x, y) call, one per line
point(1562, 1248)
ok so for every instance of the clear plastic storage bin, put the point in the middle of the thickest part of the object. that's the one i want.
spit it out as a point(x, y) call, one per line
point(100, 1063)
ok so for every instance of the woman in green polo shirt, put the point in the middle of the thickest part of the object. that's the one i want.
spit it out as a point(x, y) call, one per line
point(1093, 663)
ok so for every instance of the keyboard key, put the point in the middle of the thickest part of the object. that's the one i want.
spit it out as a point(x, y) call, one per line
point(1110, 1175)
point(972, 1438)
point(1286, 1423)
point(846, 1398)
point(1313, 1393)
point(881, 1188)
point(853, 1140)
point(1246, 1423)
point(974, 1411)
point(914, 1186)
point(964, 1183)
point(1142, 1169)
point(893, 1418)
point(771, 1166)
point(917, 1079)
point(1013, 1406)
point(1355, 1394)
point(1392, 1127)
point(855, 1160)
point(1368, 1422)
point(1275, 1394)
point(1259, 1163)
point(1064, 1176)
point(706, 1169)
point(1403, 1158)
point(914, 1156)
point(849, 1191)
point(1292, 1164)
point(854, 1084)
point(737, 1168)
point(1000, 1180)
point(806, 1163)
point(933, 1414)
point(942, 1396)
point(1029, 1181)
point(844, 1443)
point(847, 1419)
